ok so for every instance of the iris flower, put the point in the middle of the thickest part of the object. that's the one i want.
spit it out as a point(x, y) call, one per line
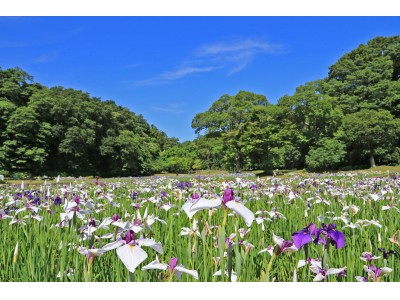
point(281, 246)
point(228, 201)
point(129, 249)
point(310, 262)
point(91, 254)
point(303, 237)
point(375, 273)
point(366, 256)
point(321, 274)
point(233, 275)
point(333, 236)
point(172, 267)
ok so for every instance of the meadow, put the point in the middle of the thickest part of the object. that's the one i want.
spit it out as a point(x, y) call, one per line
point(339, 227)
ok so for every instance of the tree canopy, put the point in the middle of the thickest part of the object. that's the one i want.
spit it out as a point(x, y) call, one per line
point(349, 118)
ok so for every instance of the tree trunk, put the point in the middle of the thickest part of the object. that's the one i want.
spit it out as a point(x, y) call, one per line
point(372, 160)
point(238, 161)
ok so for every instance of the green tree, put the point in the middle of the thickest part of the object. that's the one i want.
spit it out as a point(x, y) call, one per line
point(368, 77)
point(24, 148)
point(372, 133)
point(328, 154)
point(227, 118)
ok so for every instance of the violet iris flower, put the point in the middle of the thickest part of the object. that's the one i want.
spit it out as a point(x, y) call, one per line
point(377, 273)
point(386, 253)
point(303, 237)
point(115, 217)
point(333, 236)
point(57, 200)
point(366, 256)
point(92, 222)
point(228, 201)
point(188, 184)
point(173, 263)
point(228, 196)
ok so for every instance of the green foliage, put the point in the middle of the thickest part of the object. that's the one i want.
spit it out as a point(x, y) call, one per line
point(227, 118)
point(60, 130)
point(371, 132)
point(328, 154)
point(368, 77)
point(178, 159)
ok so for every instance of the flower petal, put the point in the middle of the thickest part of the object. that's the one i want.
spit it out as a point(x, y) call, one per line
point(152, 244)
point(242, 211)
point(131, 256)
point(203, 203)
point(180, 269)
point(155, 265)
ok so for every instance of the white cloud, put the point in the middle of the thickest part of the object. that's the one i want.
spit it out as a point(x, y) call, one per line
point(249, 46)
point(231, 56)
point(173, 75)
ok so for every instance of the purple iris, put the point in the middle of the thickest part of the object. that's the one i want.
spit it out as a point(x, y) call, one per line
point(57, 200)
point(386, 253)
point(303, 237)
point(164, 194)
point(377, 271)
point(285, 246)
point(173, 262)
point(343, 273)
point(129, 237)
point(228, 196)
point(336, 238)
point(188, 184)
point(36, 201)
point(92, 222)
point(195, 196)
point(181, 185)
point(134, 195)
point(367, 256)
point(115, 217)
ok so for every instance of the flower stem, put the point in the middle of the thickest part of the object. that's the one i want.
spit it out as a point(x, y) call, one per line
point(270, 265)
point(131, 277)
point(225, 217)
point(171, 276)
point(90, 266)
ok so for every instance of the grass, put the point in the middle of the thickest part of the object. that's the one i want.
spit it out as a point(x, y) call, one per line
point(41, 258)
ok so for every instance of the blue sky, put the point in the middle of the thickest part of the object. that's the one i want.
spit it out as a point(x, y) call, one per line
point(170, 68)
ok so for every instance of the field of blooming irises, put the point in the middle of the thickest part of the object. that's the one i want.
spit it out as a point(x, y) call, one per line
point(340, 227)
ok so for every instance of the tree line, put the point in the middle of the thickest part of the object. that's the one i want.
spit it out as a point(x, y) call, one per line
point(349, 119)
point(65, 131)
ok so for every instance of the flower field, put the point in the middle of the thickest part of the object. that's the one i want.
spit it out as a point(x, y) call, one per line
point(340, 227)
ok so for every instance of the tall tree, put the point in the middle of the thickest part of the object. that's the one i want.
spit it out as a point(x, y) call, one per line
point(227, 118)
point(368, 77)
point(371, 132)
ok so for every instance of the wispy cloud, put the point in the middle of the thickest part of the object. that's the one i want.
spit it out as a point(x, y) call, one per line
point(171, 108)
point(231, 56)
point(174, 75)
point(248, 45)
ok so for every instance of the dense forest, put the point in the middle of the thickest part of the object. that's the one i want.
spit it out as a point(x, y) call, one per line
point(349, 119)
